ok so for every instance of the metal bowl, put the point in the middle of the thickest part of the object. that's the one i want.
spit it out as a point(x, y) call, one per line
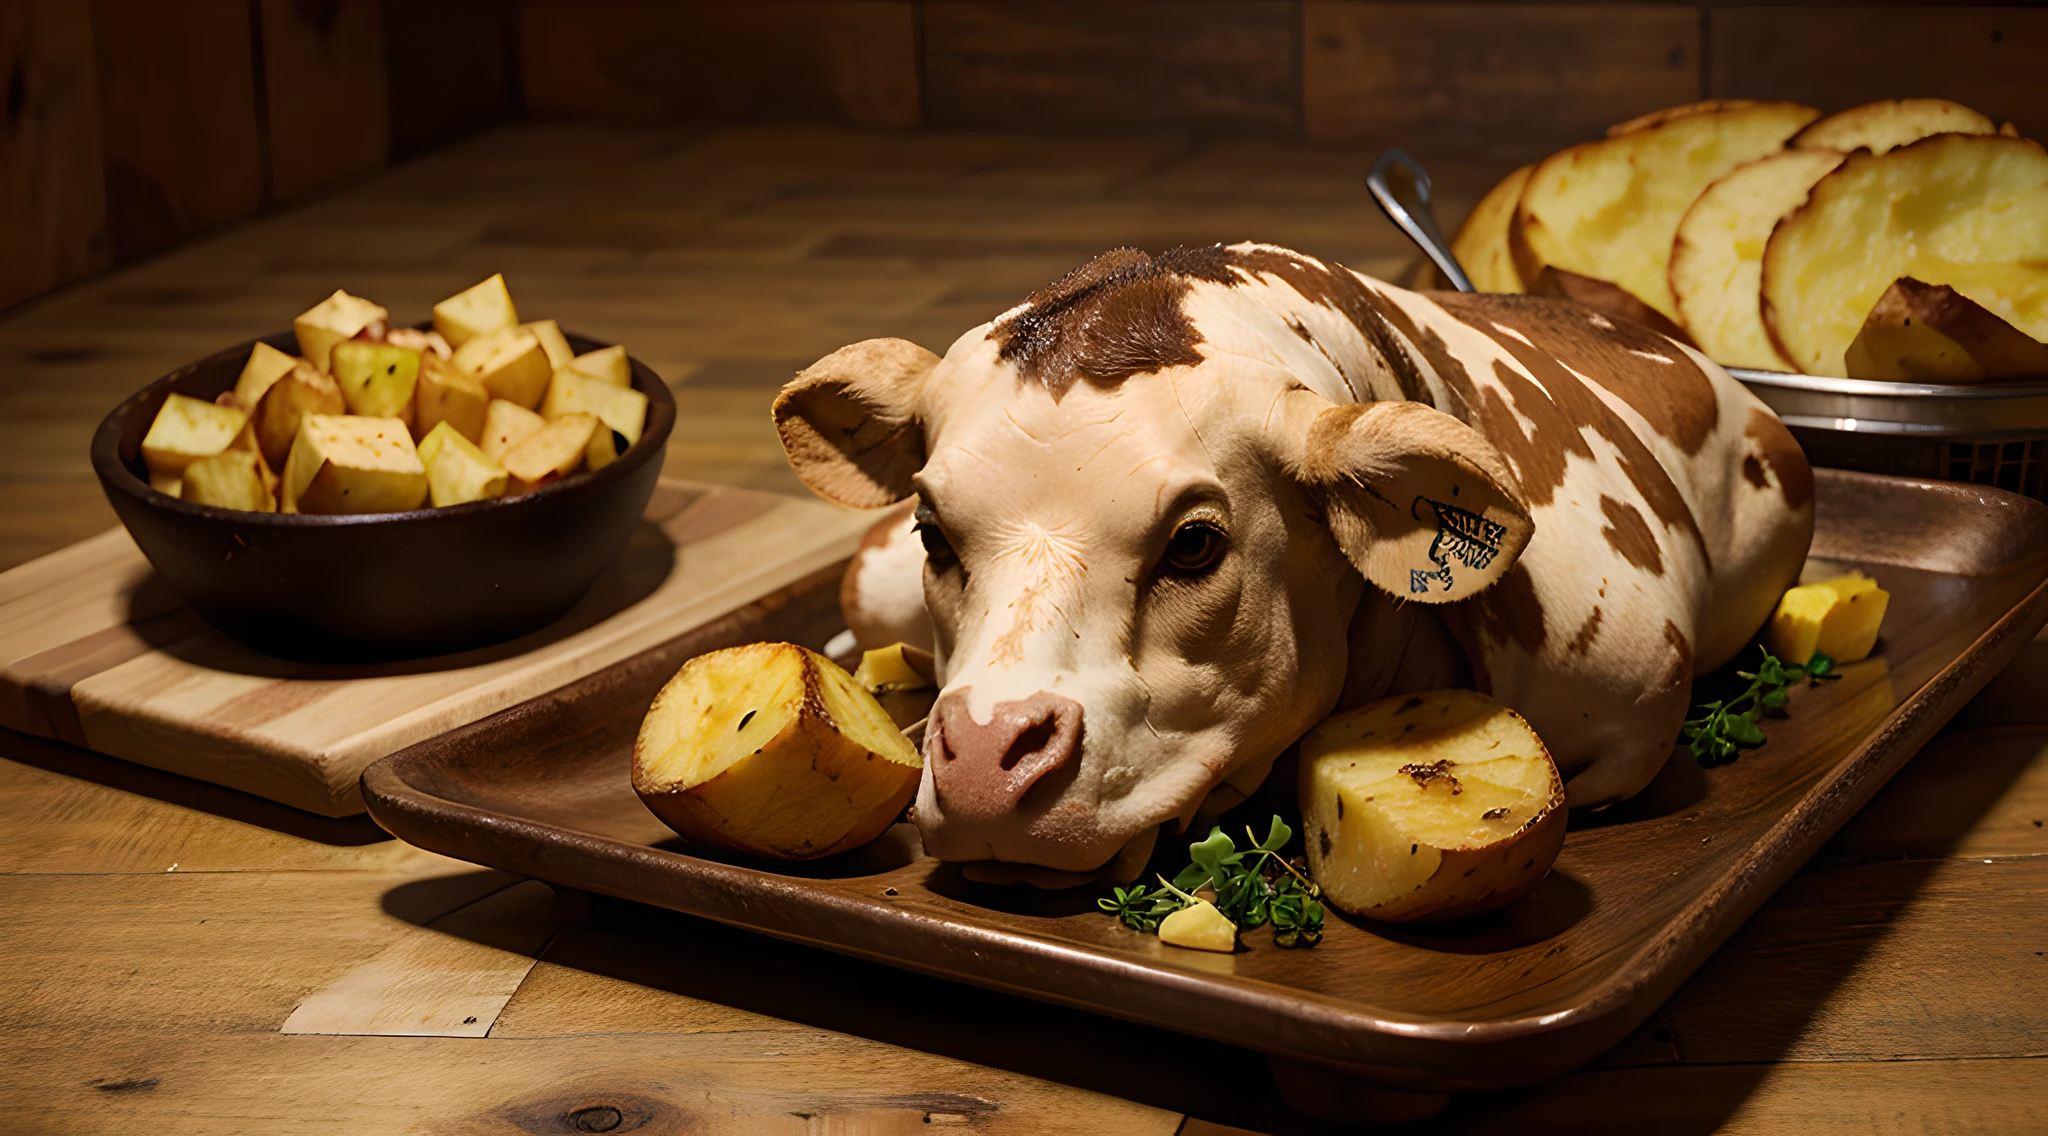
point(1989, 434)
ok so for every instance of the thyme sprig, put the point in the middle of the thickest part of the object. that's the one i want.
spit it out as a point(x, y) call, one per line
point(1726, 728)
point(1252, 888)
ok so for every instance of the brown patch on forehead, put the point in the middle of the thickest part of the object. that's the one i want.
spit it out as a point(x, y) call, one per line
point(1781, 454)
point(1116, 316)
point(1675, 398)
point(1510, 611)
point(1557, 411)
point(1340, 290)
point(1628, 534)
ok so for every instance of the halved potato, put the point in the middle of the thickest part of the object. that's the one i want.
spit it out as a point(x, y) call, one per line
point(1890, 123)
point(772, 750)
point(1717, 258)
point(1920, 332)
point(1429, 806)
point(1481, 245)
point(1610, 209)
point(1966, 210)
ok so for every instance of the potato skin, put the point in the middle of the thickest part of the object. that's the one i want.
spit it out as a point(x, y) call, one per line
point(1481, 879)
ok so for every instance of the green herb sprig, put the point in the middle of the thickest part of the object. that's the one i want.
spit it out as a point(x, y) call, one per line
point(1728, 727)
point(1253, 888)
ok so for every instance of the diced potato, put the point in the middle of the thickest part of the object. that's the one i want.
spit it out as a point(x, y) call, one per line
point(456, 470)
point(510, 364)
point(445, 394)
point(303, 390)
point(772, 750)
point(1429, 806)
point(621, 409)
point(348, 464)
point(187, 429)
point(1199, 927)
point(505, 426)
point(549, 453)
point(376, 379)
point(605, 447)
point(1481, 245)
point(1838, 618)
point(478, 310)
point(607, 363)
point(231, 479)
point(168, 484)
point(560, 354)
point(903, 679)
point(337, 318)
point(266, 365)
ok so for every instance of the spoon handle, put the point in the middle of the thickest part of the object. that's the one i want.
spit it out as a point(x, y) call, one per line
point(1411, 211)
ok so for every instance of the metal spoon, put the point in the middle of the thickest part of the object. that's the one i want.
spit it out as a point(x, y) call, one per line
point(1414, 219)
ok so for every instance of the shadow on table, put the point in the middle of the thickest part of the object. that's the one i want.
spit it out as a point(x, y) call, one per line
point(231, 804)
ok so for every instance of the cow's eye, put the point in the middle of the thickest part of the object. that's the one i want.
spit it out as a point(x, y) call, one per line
point(937, 549)
point(1196, 547)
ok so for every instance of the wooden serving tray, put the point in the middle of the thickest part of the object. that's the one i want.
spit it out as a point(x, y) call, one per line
point(1641, 895)
point(97, 652)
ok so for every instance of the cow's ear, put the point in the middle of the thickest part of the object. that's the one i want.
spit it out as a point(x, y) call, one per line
point(1422, 504)
point(849, 422)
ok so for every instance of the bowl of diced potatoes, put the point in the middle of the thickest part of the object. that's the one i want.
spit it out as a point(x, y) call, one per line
point(353, 490)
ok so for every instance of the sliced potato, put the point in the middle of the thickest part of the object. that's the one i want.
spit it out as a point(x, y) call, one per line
point(266, 365)
point(772, 750)
point(445, 394)
point(1839, 618)
point(1610, 209)
point(1717, 258)
point(1429, 806)
point(1930, 333)
point(1481, 245)
point(231, 479)
point(337, 318)
point(349, 464)
point(549, 453)
point(1888, 124)
point(458, 472)
point(1966, 210)
point(187, 429)
point(303, 390)
point(1683, 110)
point(607, 363)
point(505, 426)
point(480, 309)
point(377, 379)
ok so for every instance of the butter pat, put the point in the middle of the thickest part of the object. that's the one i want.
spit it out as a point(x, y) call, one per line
point(1838, 618)
point(1199, 928)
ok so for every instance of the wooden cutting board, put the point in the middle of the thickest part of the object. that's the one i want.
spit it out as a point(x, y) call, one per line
point(97, 652)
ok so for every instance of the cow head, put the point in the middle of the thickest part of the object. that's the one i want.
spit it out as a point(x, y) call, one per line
point(1145, 540)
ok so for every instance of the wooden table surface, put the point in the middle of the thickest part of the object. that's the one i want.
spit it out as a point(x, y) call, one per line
point(170, 952)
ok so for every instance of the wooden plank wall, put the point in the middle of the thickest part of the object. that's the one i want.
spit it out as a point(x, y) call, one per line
point(134, 124)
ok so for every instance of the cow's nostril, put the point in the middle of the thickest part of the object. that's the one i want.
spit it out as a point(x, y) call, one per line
point(1034, 738)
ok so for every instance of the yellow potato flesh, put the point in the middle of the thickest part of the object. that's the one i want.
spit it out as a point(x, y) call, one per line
point(772, 750)
point(187, 429)
point(506, 424)
point(1838, 618)
point(458, 472)
point(346, 464)
point(1610, 209)
point(1430, 806)
point(445, 394)
point(266, 365)
point(1889, 124)
point(231, 479)
point(1199, 927)
point(1717, 258)
point(480, 309)
point(1481, 245)
point(1969, 211)
point(333, 320)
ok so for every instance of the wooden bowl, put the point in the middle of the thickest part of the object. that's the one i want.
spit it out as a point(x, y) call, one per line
point(378, 586)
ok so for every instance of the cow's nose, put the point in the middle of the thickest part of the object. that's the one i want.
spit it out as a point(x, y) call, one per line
point(980, 771)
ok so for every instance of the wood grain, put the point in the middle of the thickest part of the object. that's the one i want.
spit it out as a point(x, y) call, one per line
point(326, 104)
point(775, 60)
point(1208, 64)
point(94, 651)
point(53, 206)
point(1989, 58)
point(452, 69)
point(1517, 80)
point(178, 119)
